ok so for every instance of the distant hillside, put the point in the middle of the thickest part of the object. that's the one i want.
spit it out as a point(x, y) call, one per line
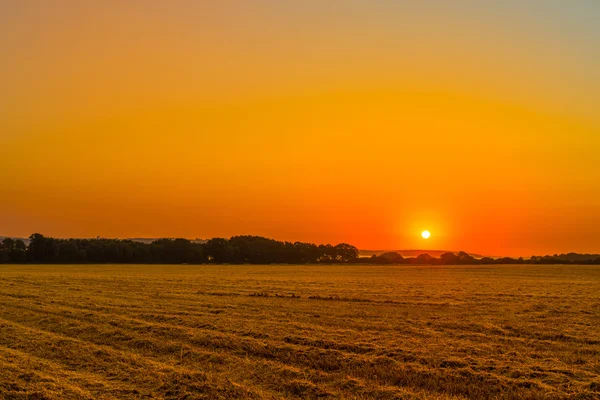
point(411, 253)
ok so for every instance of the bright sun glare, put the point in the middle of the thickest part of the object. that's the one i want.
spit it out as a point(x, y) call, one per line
point(426, 234)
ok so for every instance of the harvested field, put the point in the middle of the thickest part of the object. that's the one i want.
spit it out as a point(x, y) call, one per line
point(275, 332)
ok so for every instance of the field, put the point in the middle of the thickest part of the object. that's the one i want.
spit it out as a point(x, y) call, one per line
point(274, 332)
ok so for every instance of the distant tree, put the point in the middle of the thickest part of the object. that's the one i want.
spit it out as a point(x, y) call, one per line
point(95, 252)
point(8, 244)
point(168, 251)
point(67, 252)
point(218, 250)
point(466, 258)
point(345, 253)
point(42, 249)
point(424, 259)
point(256, 250)
point(305, 253)
point(327, 253)
point(388, 258)
point(449, 259)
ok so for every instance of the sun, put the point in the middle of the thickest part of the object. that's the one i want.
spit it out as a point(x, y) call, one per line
point(426, 234)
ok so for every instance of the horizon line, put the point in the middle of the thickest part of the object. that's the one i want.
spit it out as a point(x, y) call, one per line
point(425, 251)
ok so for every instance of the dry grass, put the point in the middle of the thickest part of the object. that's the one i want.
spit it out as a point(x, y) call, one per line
point(348, 332)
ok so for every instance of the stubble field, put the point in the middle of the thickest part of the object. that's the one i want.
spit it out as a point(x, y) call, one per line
point(275, 332)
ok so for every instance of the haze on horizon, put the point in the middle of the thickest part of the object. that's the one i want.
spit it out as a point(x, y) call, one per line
point(353, 121)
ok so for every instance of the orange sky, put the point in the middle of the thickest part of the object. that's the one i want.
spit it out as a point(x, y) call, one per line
point(357, 121)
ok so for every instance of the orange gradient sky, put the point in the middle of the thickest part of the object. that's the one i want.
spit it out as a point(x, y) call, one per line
point(340, 121)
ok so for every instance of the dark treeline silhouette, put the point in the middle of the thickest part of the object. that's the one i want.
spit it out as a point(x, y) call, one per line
point(462, 258)
point(236, 250)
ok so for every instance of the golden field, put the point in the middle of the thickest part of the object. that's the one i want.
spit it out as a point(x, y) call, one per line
point(275, 332)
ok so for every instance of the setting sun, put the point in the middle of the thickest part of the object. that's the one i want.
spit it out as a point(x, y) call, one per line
point(426, 234)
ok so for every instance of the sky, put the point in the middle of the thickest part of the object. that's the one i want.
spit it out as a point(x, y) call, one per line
point(359, 121)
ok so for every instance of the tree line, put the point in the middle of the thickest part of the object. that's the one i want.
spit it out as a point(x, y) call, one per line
point(462, 258)
point(236, 250)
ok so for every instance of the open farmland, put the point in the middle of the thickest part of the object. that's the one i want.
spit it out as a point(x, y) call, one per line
point(348, 332)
